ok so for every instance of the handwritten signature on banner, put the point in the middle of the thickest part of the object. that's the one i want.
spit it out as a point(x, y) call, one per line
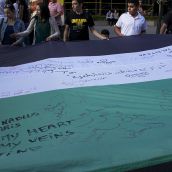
point(92, 123)
point(66, 64)
point(62, 73)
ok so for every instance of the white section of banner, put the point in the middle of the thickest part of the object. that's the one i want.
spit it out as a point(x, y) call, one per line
point(71, 72)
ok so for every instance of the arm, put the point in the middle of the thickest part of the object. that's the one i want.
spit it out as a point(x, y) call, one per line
point(117, 30)
point(66, 33)
point(97, 34)
point(29, 29)
point(20, 41)
point(26, 32)
point(55, 33)
point(58, 14)
point(119, 25)
point(144, 27)
point(163, 28)
point(60, 10)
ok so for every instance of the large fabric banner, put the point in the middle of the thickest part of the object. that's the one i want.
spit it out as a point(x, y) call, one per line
point(86, 113)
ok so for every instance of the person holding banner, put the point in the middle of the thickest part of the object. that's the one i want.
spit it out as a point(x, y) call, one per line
point(166, 27)
point(10, 25)
point(56, 11)
point(45, 27)
point(78, 22)
point(131, 22)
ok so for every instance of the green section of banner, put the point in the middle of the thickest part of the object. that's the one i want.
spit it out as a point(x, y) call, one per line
point(85, 129)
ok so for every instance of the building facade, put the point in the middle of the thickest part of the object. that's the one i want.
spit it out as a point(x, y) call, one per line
point(100, 7)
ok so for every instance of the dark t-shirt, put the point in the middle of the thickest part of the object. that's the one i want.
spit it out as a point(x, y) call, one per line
point(42, 30)
point(168, 22)
point(78, 25)
point(7, 40)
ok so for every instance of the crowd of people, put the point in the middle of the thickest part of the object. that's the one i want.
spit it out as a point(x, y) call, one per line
point(29, 23)
point(112, 17)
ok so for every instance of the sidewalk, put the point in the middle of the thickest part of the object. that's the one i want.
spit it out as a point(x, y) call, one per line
point(99, 25)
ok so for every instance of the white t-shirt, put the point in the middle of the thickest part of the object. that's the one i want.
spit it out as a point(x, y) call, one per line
point(131, 25)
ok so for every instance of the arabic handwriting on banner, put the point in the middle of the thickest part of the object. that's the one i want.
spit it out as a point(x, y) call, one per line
point(67, 64)
point(62, 73)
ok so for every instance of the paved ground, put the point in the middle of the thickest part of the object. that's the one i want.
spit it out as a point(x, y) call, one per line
point(99, 25)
